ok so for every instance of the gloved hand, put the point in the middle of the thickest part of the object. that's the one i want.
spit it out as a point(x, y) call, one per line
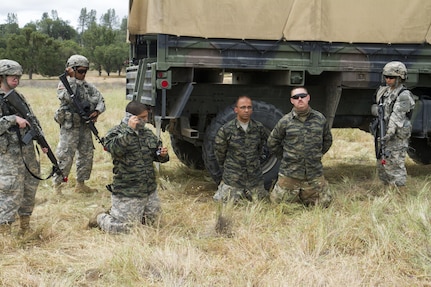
point(387, 137)
point(390, 133)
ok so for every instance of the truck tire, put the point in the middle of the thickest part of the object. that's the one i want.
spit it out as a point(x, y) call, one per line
point(419, 150)
point(187, 153)
point(265, 113)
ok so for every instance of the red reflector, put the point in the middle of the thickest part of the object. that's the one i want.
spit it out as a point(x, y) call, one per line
point(164, 84)
point(161, 75)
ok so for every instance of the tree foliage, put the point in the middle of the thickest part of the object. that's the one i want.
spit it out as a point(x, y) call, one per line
point(55, 28)
point(110, 19)
point(97, 36)
point(35, 51)
point(11, 26)
point(43, 46)
point(86, 19)
point(111, 57)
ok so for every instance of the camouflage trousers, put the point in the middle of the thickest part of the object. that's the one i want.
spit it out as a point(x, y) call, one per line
point(17, 186)
point(75, 141)
point(126, 212)
point(307, 192)
point(11, 191)
point(227, 193)
point(394, 171)
point(30, 183)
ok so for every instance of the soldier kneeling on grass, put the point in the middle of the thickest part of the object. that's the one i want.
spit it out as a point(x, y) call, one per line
point(134, 148)
point(300, 139)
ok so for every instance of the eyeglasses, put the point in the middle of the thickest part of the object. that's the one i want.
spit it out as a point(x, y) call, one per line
point(297, 96)
point(390, 77)
point(245, 107)
point(83, 71)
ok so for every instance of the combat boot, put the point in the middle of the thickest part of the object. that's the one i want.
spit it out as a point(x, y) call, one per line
point(82, 188)
point(24, 224)
point(5, 229)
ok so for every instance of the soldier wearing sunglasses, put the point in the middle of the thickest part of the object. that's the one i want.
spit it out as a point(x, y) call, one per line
point(397, 103)
point(299, 140)
point(75, 135)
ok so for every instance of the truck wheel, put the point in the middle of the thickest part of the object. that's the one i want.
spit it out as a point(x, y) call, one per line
point(419, 150)
point(187, 153)
point(265, 113)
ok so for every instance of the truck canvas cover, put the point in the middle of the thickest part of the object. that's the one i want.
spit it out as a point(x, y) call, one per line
point(351, 21)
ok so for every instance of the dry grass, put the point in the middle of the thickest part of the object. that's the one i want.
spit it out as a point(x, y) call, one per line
point(369, 236)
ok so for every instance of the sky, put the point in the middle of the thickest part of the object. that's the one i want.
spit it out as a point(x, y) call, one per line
point(67, 10)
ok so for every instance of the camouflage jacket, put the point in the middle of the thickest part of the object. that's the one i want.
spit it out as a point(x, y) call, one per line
point(397, 104)
point(9, 140)
point(238, 153)
point(301, 145)
point(90, 97)
point(133, 153)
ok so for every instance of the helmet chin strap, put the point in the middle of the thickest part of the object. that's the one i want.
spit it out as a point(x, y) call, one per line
point(398, 82)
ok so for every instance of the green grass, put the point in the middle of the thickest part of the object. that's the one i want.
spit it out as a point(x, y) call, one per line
point(369, 236)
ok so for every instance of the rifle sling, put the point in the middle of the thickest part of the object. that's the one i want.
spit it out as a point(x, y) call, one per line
point(26, 165)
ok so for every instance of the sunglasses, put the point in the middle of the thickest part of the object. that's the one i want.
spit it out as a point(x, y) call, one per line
point(297, 96)
point(390, 77)
point(83, 71)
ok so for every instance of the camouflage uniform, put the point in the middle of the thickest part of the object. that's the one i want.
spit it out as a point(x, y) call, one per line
point(75, 135)
point(301, 143)
point(238, 154)
point(397, 104)
point(17, 186)
point(134, 189)
point(31, 183)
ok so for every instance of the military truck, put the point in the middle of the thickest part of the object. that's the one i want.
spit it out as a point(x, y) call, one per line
point(191, 59)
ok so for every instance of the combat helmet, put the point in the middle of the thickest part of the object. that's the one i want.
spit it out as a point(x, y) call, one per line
point(396, 69)
point(77, 61)
point(10, 68)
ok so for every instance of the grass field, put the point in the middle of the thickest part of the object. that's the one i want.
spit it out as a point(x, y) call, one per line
point(369, 236)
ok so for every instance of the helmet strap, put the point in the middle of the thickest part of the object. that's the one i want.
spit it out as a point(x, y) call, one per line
point(397, 81)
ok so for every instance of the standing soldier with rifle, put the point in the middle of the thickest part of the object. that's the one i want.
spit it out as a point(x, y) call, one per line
point(394, 104)
point(18, 162)
point(75, 132)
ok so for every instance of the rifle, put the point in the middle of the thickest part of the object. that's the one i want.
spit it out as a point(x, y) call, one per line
point(35, 131)
point(380, 144)
point(378, 129)
point(81, 111)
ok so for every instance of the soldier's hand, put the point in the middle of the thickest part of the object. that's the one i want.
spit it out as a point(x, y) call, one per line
point(133, 122)
point(22, 123)
point(70, 72)
point(387, 137)
point(94, 115)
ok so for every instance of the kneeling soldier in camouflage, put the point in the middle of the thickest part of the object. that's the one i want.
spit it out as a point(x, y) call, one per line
point(134, 148)
point(300, 139)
